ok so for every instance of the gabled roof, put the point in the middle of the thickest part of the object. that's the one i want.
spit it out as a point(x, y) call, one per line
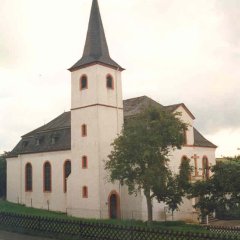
point(136, 105)
point(96, 48)
point(174, 107)
point(200, 140)
point(60, 127)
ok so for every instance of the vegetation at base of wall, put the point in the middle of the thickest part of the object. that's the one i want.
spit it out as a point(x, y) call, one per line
point(219, 193)
point(230, 214)
point(60, 226)
point(82, 229)
point(20, 209)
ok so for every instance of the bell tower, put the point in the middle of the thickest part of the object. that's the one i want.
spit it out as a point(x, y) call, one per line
point(96, 119)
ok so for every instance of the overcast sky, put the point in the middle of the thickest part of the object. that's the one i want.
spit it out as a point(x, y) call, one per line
point(173, 50)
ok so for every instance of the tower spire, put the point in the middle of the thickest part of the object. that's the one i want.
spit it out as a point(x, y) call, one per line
point(96, 48)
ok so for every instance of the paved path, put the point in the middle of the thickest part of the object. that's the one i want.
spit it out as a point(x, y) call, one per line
point(14, 236)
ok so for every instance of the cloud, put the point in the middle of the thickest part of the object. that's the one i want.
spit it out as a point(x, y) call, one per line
point(174, 51)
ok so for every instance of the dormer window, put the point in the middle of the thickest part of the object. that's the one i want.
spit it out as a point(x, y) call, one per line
point(25, 144)
point(109, 82)
point(39, 140)
point(54, 138)
point(83, 82)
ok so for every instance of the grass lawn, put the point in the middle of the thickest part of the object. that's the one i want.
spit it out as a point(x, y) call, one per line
point(20, 209)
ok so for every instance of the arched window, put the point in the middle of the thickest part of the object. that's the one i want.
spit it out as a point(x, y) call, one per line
point(205, 168)
point(84, 130)
point(67, 168)
point(186, 160)
point(28, 177)
point(85, 192)
point(83, 82)
point(109, 82)
point(47, 177)
point(84, 162)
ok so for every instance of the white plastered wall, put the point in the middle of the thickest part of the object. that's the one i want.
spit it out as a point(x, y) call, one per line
point(101, 110)
point(54, 200)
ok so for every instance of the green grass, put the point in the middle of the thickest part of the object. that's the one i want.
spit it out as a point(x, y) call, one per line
point(20, 209)
point(175, 226)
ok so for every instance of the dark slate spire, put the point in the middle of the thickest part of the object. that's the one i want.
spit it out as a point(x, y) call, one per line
point(96, 48)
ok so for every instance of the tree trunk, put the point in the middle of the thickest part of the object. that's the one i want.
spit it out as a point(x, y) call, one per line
point(149, 206)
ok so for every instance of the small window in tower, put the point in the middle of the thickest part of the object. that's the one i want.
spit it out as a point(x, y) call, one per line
point(85, 192)
point(83, 82)
point(109, 82)
point(84, 130)
point(84, 162)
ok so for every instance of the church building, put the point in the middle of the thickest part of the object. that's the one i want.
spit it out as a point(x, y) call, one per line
point(60, 165)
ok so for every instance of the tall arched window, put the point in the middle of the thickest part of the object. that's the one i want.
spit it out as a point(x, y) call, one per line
point(85, 192)
point(67, 168)
point(47, 177)
point(84, 162)
point(28, 177)
point(83, 82)
point(84, 130)
point(185, 160)
point(205, 168)
point(109, 82)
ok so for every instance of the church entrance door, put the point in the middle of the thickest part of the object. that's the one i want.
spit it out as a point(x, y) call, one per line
point(114, 206)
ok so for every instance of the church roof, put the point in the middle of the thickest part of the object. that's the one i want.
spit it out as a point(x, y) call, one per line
point(96, 48)
point(200, 140)
point(56, 135)
point(174, 107)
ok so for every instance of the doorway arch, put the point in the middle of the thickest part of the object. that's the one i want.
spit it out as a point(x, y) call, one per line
point(114, 205)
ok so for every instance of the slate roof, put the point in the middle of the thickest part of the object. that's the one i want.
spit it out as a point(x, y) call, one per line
point(96, 48)
point(200, 140)
point(174, 107)
point(59, 130)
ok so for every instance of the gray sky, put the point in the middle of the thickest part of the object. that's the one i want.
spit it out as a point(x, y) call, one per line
point(173, 51)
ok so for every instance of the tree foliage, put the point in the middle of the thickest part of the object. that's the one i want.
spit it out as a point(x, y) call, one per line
point(222, 190)
point(3, 175)
point(140, 155)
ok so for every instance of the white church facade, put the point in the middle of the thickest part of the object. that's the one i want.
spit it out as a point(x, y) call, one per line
point(60, 165)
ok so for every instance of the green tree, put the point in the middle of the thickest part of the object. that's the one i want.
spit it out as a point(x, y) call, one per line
point(176, 187)
point(140, 155)
point(222, 190)
point(3, 175)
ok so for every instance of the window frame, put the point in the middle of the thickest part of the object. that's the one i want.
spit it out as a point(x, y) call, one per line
point(206, 168)
point(84, 158)
point(112, 82)
point(27, 188)
point(84, 76)
point(65, 174)
point(84, 192)
point(84, 130)
point(44, 177)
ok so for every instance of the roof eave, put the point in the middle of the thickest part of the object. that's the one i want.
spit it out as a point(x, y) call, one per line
point(72, 69)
